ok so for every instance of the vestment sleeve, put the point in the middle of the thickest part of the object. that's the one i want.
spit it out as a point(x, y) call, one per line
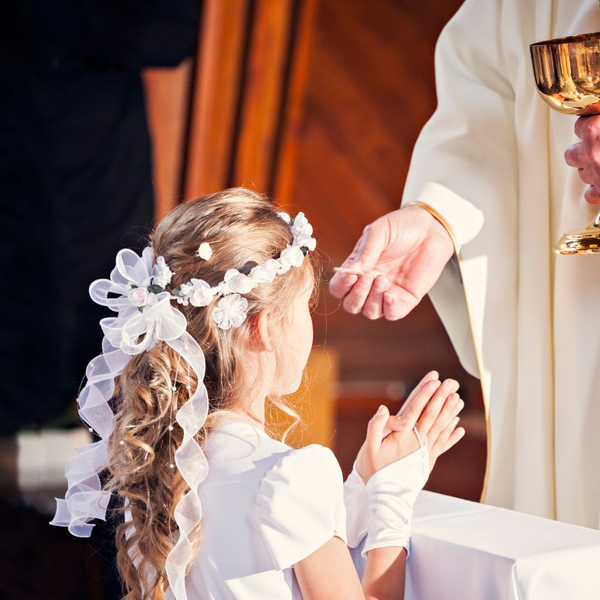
point(464, 168)
point(300, 505)
point(467, 150)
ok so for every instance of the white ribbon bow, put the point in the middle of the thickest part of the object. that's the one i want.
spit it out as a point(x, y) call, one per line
point(145, 316)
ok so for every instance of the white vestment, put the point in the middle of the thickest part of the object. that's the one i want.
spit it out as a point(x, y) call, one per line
point(494, 152)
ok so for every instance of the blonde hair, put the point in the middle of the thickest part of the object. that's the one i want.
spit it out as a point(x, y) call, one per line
point(243, 229)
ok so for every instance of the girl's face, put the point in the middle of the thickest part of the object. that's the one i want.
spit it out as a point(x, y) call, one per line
point(296, 341)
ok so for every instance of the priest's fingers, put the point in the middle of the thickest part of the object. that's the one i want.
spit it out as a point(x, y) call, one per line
point(372, 243)
point(575, 155)
point(587, 128)
point(431, 376)
point(581, 125)
point(364, 257)
point(356, 297)
point(432, 410)
point(373, 307)
point(586, 176)
point(341, 283)
point(592, 195)
point(453, 405)
point(591, 176)
point(397, 303)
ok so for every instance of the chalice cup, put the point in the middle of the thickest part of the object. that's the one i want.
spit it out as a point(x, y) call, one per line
point(567, 76)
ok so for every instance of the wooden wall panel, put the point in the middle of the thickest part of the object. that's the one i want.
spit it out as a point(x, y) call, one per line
point(215, 101)
point(167, 93)
point(248, 88)
point(264, 85)
point(292, 121)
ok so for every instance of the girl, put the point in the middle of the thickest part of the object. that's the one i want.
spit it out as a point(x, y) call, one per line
point(214, 325)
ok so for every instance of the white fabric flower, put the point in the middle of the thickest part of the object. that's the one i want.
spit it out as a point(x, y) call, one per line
point(238, 283)
point(133, 330)
point(186, 288)
point(292, 256)
point(223, 289)
point(230, 311)
point(201, 293)
point(138, 296)
point(302, 231)
point(265, 272)
point(306, 241)
point(285, 217)
point(162, 273)
point(301, 225)
point(205, 251)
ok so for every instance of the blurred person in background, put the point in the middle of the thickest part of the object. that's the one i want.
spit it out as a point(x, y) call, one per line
point(75, 170)
point(488, 180)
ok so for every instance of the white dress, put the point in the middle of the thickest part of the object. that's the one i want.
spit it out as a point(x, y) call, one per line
point(266, 507)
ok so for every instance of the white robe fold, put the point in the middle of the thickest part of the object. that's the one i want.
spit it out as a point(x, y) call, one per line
point(490, 162)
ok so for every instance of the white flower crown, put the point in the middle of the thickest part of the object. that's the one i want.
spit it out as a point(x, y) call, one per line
point(231, 310)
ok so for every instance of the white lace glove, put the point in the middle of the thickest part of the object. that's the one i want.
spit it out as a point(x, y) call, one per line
point(392, 492)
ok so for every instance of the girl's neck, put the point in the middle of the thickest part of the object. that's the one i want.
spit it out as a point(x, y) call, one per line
point(252, 418)
point(253, 410)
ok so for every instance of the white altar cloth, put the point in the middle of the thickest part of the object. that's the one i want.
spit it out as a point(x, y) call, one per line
point(463, 550)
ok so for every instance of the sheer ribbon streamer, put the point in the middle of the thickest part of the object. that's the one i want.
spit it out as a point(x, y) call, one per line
point(143, 319)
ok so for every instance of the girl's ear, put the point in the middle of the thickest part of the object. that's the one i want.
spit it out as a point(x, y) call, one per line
point(262, 332)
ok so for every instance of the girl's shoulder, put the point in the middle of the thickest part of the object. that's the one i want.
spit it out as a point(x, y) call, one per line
point(307, 467)
point(242, 439)
point(300, 504)
point(293, 499)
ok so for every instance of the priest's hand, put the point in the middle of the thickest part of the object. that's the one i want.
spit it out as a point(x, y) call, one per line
point(402, 253)
point(585, 155)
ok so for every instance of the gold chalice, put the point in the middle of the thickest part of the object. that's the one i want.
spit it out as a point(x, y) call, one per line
point(567, 75)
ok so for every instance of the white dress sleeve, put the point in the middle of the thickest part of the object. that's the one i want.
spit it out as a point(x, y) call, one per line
point(300, 505)
point(356, 501)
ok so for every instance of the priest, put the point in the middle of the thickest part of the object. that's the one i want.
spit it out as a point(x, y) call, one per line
point(488, 194)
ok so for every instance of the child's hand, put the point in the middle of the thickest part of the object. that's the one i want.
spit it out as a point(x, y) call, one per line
point(433, 407)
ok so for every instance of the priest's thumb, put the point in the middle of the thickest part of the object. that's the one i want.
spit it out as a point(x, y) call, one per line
point(370, 246)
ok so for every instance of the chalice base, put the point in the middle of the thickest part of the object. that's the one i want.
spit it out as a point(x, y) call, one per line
point(581, 241)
